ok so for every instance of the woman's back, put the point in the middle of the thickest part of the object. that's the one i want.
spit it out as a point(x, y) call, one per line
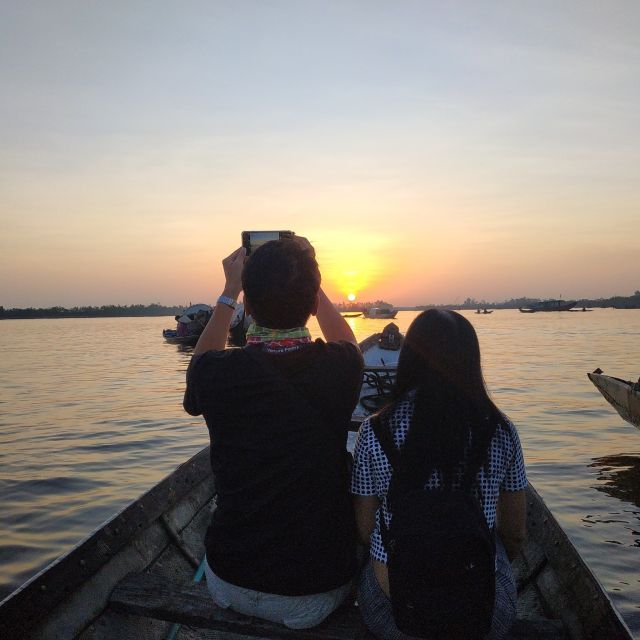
point(372, 472)
point(451, 436)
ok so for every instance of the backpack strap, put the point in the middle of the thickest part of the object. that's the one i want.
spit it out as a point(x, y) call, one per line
point(401, 475)
point(385, 438)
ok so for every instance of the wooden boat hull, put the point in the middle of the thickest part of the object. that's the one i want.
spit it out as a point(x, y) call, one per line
point(69, 599)
point(162, 533)
point(549, 305)
point(380, 366)
point(622, 395)
point(380, 315)
point(184, 340)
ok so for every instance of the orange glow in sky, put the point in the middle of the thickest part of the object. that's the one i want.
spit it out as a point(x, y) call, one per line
point(356, 263)
point(429, 155)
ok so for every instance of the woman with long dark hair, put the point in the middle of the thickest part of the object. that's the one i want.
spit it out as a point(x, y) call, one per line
point(448, 430)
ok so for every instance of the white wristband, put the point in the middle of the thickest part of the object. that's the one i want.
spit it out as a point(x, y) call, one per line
point(230, 302)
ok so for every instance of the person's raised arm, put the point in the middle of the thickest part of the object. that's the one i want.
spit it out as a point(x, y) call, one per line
point(365, 508)
point(511, 520)
point(333, 326)
point(216, 332)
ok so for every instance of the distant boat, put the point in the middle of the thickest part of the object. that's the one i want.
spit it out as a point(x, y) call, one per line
point(484, 311)
point(189, 325)
point(349, 314)
point(192, 321)
point(380, 352)
point(549, 305)
point(380, 313)
point(171, 336)
point(622, 395)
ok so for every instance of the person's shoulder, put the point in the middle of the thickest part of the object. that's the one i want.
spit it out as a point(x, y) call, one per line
point(510, 426)
point(347, 357)
point(508, 431)
point(339, 349)
point(216, 359)
point(365, 436)
point(223, 355)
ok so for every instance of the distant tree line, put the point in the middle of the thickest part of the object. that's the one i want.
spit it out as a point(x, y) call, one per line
point(156, 309)
point(105, 311)
point(620, 302)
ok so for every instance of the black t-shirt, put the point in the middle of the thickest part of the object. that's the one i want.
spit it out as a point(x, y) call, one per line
point(284, 521)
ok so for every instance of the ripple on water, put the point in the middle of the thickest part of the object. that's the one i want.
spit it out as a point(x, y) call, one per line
point(59, 485)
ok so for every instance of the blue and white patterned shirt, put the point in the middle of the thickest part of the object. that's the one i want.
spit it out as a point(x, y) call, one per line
point(372, 471)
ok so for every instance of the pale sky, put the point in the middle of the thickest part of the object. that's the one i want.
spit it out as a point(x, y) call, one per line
point(430, 150)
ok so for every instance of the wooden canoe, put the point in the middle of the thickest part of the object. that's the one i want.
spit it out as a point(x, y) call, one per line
point(622, 395)
point(188, 341)
point(549, 305)
point(133, 578)
point(380, 313)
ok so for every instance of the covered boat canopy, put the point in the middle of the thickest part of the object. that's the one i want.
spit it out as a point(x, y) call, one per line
point(194, 308)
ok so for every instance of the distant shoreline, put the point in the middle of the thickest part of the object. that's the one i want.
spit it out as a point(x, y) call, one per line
point(106, 311)
point(471, 304)
point(77, 317)
point(158, 310)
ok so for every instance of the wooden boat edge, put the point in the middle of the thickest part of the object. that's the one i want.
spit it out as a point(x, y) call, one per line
point(571, 577)
point(567, 575)
point(32, 602)
point(619, 394)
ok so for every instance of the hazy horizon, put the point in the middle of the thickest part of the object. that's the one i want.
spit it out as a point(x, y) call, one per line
point(345, 302)
point(430, 151)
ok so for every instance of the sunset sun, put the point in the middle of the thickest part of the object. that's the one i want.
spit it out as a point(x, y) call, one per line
point(351, 297)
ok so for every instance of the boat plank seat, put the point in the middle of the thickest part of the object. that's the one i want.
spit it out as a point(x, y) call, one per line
point(151, 596)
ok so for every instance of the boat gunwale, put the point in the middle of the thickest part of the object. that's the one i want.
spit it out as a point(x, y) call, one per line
point(543, 529)
point(627, 383)
point(622, 395)
point(28, 605)
point(573, 575)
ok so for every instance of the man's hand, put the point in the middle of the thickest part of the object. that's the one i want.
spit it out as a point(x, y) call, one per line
point(232, 266)
point(216, 332)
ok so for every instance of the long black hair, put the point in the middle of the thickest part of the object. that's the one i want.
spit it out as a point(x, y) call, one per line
point(453, 419)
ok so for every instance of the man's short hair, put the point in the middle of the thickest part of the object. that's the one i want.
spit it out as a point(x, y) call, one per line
point(281, 280)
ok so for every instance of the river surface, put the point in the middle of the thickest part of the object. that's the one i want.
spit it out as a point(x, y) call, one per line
point(91, 416)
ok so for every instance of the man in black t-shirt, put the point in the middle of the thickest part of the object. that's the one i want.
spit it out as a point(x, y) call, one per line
point(281, 544)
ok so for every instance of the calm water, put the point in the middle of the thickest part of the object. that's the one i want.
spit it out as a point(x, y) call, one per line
point(91, 416)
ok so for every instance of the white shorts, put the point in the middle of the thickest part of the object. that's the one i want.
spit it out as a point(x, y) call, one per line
point(295, 612)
